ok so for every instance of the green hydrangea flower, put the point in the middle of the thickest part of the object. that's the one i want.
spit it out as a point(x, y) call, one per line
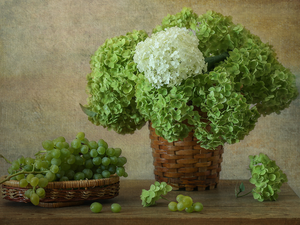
point(149, 197)
point(267, 177)
point(245, 83)
point(112, 83)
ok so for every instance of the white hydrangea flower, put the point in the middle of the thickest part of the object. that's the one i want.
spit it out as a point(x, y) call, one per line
point(169, 57)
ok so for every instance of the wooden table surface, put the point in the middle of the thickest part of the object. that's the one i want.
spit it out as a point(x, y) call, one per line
point(220, 207)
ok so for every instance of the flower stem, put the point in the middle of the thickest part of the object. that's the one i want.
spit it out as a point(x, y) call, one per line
point(243, 195)
point(1, 156)
point(165, 199)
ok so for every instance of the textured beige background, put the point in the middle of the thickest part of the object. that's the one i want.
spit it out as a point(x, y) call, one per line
point(45, 47)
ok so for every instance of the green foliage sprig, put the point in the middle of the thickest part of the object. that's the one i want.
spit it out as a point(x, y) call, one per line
point(155, 193)
point(267, 178)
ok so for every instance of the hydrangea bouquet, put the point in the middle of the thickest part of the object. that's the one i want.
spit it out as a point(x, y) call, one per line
point(189, 64)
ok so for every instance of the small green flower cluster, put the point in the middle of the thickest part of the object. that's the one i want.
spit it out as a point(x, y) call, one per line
point(266, 176)
point(112, 83)
point(154, 193)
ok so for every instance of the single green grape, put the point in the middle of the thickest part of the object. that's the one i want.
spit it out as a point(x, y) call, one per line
point(97, 161)
point(76, 144)
point(96, 207)
point(50, 176)
point(189, 209)
point(79, 176)
point(39, 175)
point(101, 142)
point(118, 152)
point(54, 168)
point(86, 156)
point(48, 156)
point(180, 206)
point(121, 161)
point(59, 145)
point(93, 145)
point(43, 182)
point(66, 145)
point(172, 206)
point(38, 164)
point(198, 207)
point(88, 173)
point(34, 198)
point(23, 183)
point(44, 164)
point(15, 165)
point(187, 201)
point(113, 160)
point(85, 141)
point(93, 153)
point(65, 153)
point(179, 197)
point(105, 173)
point(21, 160)
point(34, 181)
point(20, 177)
point(102, 167)
point(28, 167)
point(41, 192)
point(105, 161)
point(55, 161)
point(80, 135)
point(112, 169)
point(55, 153)
point(79, 160)
point(101, 150)
point(71, 160)
point(110, 152)
point(84, 149)
point(48, 145)
point(29, 161)
point(125, 174)
point(59, 139)
point(115, 208)
point(64, 178)
point(120, 171)
point(97, 176)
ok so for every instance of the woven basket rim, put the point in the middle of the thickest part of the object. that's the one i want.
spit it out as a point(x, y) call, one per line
point(69, 184)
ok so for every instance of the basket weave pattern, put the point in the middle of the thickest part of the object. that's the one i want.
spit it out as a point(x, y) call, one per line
point(184, 164)
point(65, 193)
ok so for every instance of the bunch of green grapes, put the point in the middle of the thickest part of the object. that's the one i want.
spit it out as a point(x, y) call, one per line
point(61, 161)
point(185, 203)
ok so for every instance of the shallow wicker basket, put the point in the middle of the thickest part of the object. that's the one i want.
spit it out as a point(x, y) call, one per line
point(65, 193)
point(184, 164)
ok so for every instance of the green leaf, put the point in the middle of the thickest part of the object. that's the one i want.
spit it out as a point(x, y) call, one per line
point(242, 187)
point(87, 111)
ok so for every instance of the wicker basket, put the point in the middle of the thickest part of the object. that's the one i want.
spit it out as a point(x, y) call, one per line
point(65, 193)
point(184, 164)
